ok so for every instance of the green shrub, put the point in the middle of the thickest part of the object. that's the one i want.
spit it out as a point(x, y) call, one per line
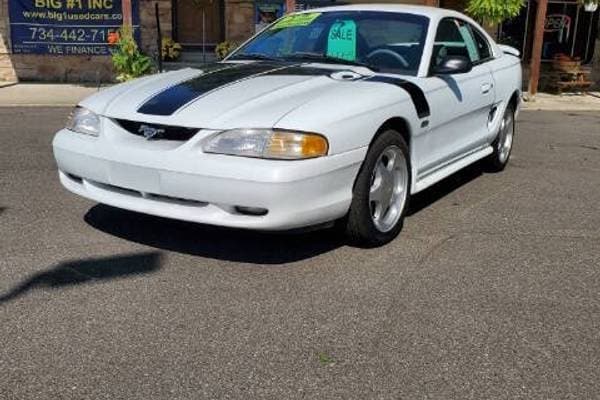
point(129, 62)
point(494, 11)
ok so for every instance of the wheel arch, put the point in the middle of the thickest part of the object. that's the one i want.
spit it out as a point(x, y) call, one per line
point(398, 124)
point(402, 126)
point(515, 100)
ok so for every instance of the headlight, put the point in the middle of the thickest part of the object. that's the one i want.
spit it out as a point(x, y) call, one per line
point(267, 143)
point(84, 121)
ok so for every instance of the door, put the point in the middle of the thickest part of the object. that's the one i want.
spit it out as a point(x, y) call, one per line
point(461, 103)
point(189, 21)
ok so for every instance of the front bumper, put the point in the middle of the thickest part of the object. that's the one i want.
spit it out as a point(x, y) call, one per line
point(179, 181)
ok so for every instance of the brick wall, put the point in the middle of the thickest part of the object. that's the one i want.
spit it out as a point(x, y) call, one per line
point(31, 67)
point(148, 23)
point(239, 20)
point(7, 72)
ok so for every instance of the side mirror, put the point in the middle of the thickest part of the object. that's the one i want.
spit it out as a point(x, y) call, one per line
point(453, 65)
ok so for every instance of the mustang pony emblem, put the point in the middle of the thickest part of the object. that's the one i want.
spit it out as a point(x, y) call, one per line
point(150, 132)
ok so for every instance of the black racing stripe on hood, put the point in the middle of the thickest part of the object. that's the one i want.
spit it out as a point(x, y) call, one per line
point(301, 70)
point(415, 92)
point(172, 99)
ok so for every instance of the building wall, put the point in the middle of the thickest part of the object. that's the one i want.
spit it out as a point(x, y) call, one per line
point(239, 20)
point(149, 43)
point(32, 67)
point(7, 72)
point(596, 66)
point(239, 25)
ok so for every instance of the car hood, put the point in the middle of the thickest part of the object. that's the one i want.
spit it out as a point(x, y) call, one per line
point(225, 95)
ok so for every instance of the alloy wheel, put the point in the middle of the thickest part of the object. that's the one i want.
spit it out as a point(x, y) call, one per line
point(505, 142)
point(389, 188)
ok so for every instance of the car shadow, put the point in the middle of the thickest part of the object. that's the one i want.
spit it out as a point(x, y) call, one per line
point(2, 209)
point(210, 241)
point(242, 245)
point(442, 189)
point(89, 270)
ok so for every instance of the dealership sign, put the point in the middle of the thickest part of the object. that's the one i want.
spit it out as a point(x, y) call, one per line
point(66, 27)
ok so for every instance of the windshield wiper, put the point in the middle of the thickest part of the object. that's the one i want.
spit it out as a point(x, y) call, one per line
point(329, 59)
point(254, 56)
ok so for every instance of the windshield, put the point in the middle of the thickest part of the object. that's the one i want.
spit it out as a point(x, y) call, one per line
point(383, 41)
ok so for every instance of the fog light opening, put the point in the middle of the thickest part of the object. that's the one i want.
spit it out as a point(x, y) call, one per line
point(253, 211)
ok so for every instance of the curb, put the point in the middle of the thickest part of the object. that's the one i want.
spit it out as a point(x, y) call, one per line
point(34, 105)
point(7, 84)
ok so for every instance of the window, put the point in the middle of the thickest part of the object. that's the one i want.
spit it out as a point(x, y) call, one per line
point(457, 38)
point(387, 41)
point(389, 32)
point(483, 46)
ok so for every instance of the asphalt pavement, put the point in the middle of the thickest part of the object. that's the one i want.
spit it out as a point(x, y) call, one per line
point(491, 291)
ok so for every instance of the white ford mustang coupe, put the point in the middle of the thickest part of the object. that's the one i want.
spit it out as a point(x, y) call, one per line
point(336, 114)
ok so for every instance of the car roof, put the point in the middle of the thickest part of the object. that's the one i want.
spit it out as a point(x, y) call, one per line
point(431, 12)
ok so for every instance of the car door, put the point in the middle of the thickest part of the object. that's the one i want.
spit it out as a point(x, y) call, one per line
point(461, 103)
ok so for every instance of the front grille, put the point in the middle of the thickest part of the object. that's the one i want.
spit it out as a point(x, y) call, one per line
point(156, 131)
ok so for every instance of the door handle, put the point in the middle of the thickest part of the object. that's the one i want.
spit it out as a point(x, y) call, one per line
point(486, 88)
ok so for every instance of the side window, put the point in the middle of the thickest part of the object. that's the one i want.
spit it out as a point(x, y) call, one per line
point(394, 45)
point(483, 46)
point(454, 38)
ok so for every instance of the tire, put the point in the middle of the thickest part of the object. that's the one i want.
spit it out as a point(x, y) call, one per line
point(381, 193)
point(498, 160)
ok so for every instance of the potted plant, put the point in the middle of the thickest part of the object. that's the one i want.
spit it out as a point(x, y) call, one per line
point(590, 5)
point(564, 63)
point(224, 48)
point(129, 62)
point(171, 50)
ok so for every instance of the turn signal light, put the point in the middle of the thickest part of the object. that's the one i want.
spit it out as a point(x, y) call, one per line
point(293, 145)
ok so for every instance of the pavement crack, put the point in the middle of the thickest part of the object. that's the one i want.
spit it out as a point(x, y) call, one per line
point(427, 256)
point(553, 146)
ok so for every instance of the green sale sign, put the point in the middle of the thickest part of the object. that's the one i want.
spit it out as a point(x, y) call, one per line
point(341, 42)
